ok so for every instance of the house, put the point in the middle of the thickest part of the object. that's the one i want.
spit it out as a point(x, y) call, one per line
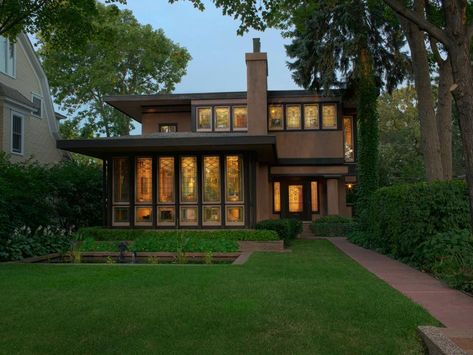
point(228, 159)
point(28, 127)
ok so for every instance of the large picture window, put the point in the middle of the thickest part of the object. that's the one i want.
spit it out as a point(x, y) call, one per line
point(311, 116)
point(144, 180)
point(293, 117)
point(211, 179)
point(204, 119)
point(121, 180)
point(189, 179)
point(233, 178)
point(222, 118)
point(166, 180)
point(240, 118)
point(348, 138)
point(329, 116)
point(276, 117)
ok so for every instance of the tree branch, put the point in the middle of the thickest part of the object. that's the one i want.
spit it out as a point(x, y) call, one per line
point(418, 20)
point(435, 50)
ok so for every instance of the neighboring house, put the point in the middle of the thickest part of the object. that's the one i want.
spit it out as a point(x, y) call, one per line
point(28, 127)
point(227, 160)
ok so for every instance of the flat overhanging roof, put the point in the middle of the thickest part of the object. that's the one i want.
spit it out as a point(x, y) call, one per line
point(263, 146)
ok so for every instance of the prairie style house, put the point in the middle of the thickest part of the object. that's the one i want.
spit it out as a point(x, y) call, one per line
point(28, 127)
point(229, 159)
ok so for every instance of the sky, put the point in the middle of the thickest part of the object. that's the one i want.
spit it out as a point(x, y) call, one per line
point(218, 62)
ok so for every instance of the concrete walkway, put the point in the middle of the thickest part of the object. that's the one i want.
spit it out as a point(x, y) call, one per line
point(452, 308)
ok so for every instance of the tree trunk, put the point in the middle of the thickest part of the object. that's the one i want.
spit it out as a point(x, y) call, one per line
point(444, 117)
point(430, 142)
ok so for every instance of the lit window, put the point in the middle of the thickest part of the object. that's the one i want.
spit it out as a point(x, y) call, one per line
point(16, 133)
point(314, 196)
point(311, 116)
point(233, 178)
point(189, 215)
point(188, 179)
point(240, 119)
point(144, 216)
point(222, 118)
point(277, 196)
point(7, 57)
point(348, 135)
point(329, 116)
point(121, 215)
point(211, 215)
point(166, 215)
point(168, 127)
point(166, 180)
point(234, 215)
point(144, 180)
point(211, 179)
point(37, 103)
point(293, 117)
point(204, 119)
point(295, 198)
point(276, 117)
point(121, 182)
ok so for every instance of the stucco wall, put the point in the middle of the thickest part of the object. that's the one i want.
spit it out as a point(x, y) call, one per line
point(151, 121)
point(39, 140)
point(313, 144)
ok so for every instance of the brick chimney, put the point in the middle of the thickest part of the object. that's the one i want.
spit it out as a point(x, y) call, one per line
point(257, 85)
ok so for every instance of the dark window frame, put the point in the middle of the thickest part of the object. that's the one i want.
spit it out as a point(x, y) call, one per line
point(161, 125)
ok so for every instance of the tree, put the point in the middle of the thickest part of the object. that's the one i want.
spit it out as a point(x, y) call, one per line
point(455, 36)
point(121, 57)
point(68, 21)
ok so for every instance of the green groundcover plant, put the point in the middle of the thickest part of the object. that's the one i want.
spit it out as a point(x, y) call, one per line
point(332, 226)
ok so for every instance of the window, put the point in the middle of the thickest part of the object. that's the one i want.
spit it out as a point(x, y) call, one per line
point(144, 180)
point(17, 133)
point(189, 215)
point(233, 178)
point(167, 127)
point(311, 117)
point(166, 180)
point(144, 216)
point(295, 198)
point(189, 179)
point(329, 116)
point(222, 118)
point(204, 119)
point(211, 179)
point(314, 196)
point(37, 103)
point(348, 138)
point(166, 215)
point(7, 57)
point(121, 216)
point(240, 119)
point(276, 117)
point(211, 215)
point(277, 196)
point(121, 182)
point(234, 215)
point(293, 117)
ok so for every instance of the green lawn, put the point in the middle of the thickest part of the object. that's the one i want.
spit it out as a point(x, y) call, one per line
point(314, 300)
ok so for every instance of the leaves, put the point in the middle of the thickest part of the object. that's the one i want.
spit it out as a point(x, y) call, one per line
point(121, 57)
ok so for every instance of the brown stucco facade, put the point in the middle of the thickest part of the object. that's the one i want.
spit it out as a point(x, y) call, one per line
point(228, 160)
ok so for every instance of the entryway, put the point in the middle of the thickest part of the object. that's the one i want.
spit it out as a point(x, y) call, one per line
point(299, 198)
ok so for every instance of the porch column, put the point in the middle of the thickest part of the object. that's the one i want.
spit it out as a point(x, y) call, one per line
point(332, 197)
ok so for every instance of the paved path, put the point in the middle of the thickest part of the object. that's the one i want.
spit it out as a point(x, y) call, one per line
point(451, 307)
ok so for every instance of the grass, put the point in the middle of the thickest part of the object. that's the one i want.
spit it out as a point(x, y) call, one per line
point(314, 300)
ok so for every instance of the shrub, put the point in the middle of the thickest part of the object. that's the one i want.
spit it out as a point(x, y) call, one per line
point(332, 226)
point(400, 218)
point(287, 229)
point(99, 233)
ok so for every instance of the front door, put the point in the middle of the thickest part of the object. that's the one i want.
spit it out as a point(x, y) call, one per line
point(296, 199)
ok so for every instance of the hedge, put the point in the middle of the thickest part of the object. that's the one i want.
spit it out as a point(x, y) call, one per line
point(332, 226)
point(99, 233)
point(400, 218)
point(287, 229)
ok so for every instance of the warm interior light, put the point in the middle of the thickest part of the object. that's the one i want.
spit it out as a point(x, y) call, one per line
point(349, 186)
